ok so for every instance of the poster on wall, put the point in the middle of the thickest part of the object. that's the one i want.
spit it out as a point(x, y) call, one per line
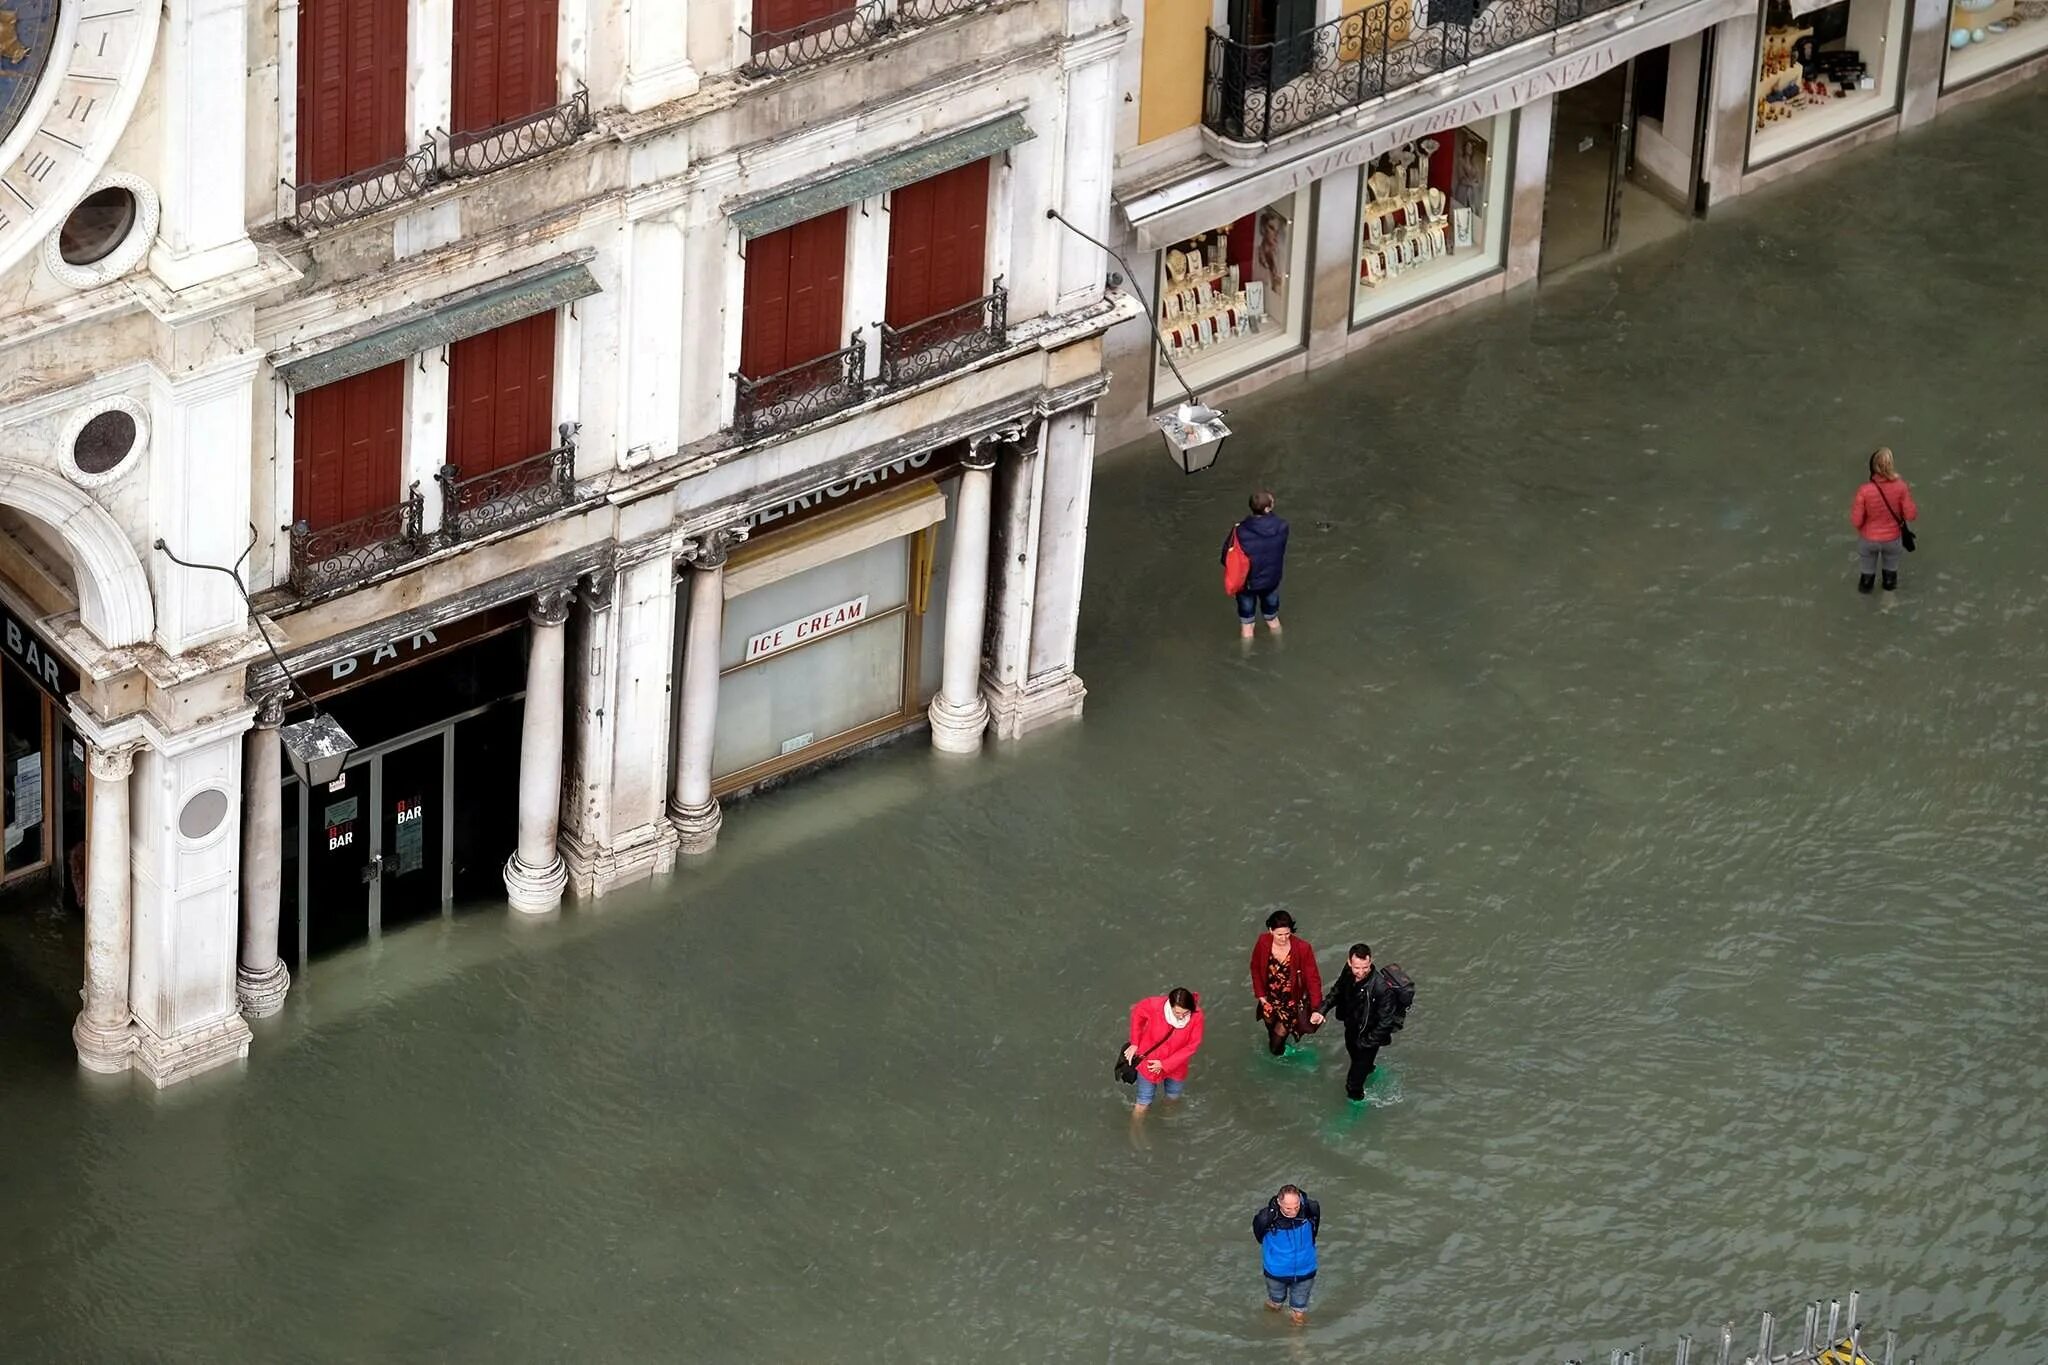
point(1270, 256)
point(1468, 172)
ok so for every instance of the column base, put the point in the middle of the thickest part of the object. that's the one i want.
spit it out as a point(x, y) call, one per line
point(645, 89)
point(190, 269)
point(696, 827)
point(101, 1048)
point(649, 851)
point(261, 994)
point(166, 1061)
point(1016, 711)
point(535, 890)
point(958, 729)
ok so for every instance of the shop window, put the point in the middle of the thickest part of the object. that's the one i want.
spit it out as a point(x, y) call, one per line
point(24, 760)
point(1432, 217)
point(1823, 72)
point(501, 396)
point(504, 61)
point(351, 86)
point(346, 446)
point(1235, 297)
point(1989, 35)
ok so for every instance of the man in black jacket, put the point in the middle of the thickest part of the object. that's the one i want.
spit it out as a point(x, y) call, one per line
point(1371, 1015)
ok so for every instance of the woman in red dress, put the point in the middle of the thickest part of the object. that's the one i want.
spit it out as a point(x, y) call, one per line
point(1285, 982)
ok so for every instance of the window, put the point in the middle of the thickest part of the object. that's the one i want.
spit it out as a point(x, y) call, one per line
point(501, 396)
point(795, 296)
point(346, 447)
point(504, 61)
point(782, 21)
point(351, 87)
point(938, 232)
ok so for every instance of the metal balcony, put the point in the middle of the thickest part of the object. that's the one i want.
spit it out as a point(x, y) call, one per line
point(521, 139)
point(802, 393)
point(946, 341)
point(514, 495)
point(338, 556)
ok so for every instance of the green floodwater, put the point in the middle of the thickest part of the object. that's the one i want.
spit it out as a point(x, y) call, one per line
point(1722, 886)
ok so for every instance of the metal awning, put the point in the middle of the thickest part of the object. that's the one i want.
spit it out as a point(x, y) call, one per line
point(773, 212)
point(438, 322)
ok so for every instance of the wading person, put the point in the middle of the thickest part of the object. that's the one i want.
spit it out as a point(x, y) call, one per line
point(1263, 539)
point(1880, 512)
point(1165, 1032)
point(1286, 1231)
point(1286, 986)
point(1373, 1005)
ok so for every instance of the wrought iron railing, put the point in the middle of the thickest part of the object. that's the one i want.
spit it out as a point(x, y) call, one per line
point(337, 556)
point(361, 193)
point(930, 11)
point(1254, 92)
point(945, 341)
point(510, 496)
point(801, 393)
point(778, 50)
point(519, 139)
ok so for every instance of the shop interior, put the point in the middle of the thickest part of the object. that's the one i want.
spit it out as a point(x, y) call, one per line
point(1823, 71)
point(1989, 35)
point(1230, 298)
point(1605, 193)
point(1432, 216)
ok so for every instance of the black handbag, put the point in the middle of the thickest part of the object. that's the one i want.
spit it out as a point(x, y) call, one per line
point(1905, 531)
point(1127, 1070)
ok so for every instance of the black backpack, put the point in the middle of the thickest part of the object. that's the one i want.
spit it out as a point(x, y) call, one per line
point(1400, 988)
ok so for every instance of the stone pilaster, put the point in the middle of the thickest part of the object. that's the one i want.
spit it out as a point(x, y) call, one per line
point(692, 809)
point(959, 713)
point(535, 874)
point(103, 1033)
point(260, 979)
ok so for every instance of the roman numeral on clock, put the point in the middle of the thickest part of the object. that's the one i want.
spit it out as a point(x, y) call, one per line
point(39, 167)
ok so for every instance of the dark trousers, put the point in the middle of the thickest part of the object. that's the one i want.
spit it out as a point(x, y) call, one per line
point(1361, 1064)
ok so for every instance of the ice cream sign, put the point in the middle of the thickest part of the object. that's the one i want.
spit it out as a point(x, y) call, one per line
point(805, 629)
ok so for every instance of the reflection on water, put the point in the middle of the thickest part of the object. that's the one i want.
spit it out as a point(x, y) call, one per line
point(1718, 881)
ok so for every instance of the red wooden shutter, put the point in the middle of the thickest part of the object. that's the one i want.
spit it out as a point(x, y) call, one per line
point(501, 395)
point(795, 295)
point(346, 444)
point(504, 60)
point(351, 86)
point(938, 244)
point(781, 20)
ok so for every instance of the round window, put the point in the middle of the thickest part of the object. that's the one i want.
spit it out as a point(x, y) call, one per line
point(203, 813)
point(100, 223)
point(104, 441)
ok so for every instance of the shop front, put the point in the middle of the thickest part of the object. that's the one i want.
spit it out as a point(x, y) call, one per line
point(43, 786)
point(1234, 297)
point(424, 814)
point(1824, 71)
point(1432, 216)
point(829, 633)
point(1988, 36)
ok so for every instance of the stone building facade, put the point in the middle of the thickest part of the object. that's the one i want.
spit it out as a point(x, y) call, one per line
point(597, 410)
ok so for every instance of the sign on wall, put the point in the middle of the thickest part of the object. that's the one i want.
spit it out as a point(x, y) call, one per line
point(37, 656)
point(804, 629)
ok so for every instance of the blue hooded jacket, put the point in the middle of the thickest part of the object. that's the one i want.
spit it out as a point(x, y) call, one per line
point(1287, 1246)
point(1264, 538)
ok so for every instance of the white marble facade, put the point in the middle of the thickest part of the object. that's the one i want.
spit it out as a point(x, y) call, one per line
point(189, 326)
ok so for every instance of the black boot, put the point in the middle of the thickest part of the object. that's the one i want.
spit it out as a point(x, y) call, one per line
point(1865, 582)
point(1891, 580)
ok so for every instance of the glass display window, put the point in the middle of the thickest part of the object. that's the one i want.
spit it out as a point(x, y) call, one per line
point(25, 743)
point(1989, 35)
point(1234, 297)
point(1432, 215)
point(1823, 71)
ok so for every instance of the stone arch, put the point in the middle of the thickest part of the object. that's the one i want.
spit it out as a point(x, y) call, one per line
point(113, 588)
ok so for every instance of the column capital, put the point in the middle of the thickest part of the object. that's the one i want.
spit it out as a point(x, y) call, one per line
point(270, 708)
point(709, 549)
point(1016, 436)
point(111, 764)
point(551, 605)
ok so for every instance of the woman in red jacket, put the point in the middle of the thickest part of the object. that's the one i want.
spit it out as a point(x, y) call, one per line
point(1165, 1031)
point(1285, 983)
point(1879, 513)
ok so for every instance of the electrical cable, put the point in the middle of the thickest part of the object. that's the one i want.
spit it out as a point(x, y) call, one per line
point(1151, 316)
point(255, 616)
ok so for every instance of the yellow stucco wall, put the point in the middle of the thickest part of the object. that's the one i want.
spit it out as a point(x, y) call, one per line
point(1170, 89)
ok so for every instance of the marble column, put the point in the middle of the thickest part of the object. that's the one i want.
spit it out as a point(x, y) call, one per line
point(535, 873)
point(260, 979)
point(959, 714)
point(105, 1040)
point(691, 807)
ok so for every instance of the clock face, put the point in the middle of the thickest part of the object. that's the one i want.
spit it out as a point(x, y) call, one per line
point(28, 34)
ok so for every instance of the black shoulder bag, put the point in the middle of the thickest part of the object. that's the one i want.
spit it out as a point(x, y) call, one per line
point(1905, 531)
point(1127, 1071)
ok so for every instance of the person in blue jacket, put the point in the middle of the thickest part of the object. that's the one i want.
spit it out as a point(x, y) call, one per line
point(1263, 538)
point(1286, 1231)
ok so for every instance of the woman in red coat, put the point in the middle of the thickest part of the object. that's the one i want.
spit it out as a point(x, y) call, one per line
point(1285, 982)
point(1880, 512)
point(1165, 1031)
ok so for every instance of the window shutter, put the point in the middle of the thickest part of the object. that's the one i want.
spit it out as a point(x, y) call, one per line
point(764, 325)
point(504, 60)
point(938, 244)
point(786, 19)
point(817, 296)
point(501, 395)
point(346, 447)
point(351, 86)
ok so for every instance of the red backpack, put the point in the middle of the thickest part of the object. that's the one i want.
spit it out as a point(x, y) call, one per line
point(1237, 566)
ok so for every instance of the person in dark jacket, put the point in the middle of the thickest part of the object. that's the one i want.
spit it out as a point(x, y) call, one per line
point(1286, 1231)
point(1361, 998)
point(1263, 538)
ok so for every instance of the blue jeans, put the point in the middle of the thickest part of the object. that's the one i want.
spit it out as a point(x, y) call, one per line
point(1147, 1088)
point(1294, 1295)
point(1249, 603)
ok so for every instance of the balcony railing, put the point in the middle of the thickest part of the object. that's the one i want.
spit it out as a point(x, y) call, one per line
point(336, 556)
point(946, 341)
point(510, 496)
point(365, 192)
point(802, 393)
point(519, 139)
point(1254, 92)
point(778, 50)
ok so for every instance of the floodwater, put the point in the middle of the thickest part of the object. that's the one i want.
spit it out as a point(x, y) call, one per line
point(1722, 886)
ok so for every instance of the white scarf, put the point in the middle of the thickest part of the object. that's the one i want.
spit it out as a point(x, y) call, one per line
point(1166, 1008)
